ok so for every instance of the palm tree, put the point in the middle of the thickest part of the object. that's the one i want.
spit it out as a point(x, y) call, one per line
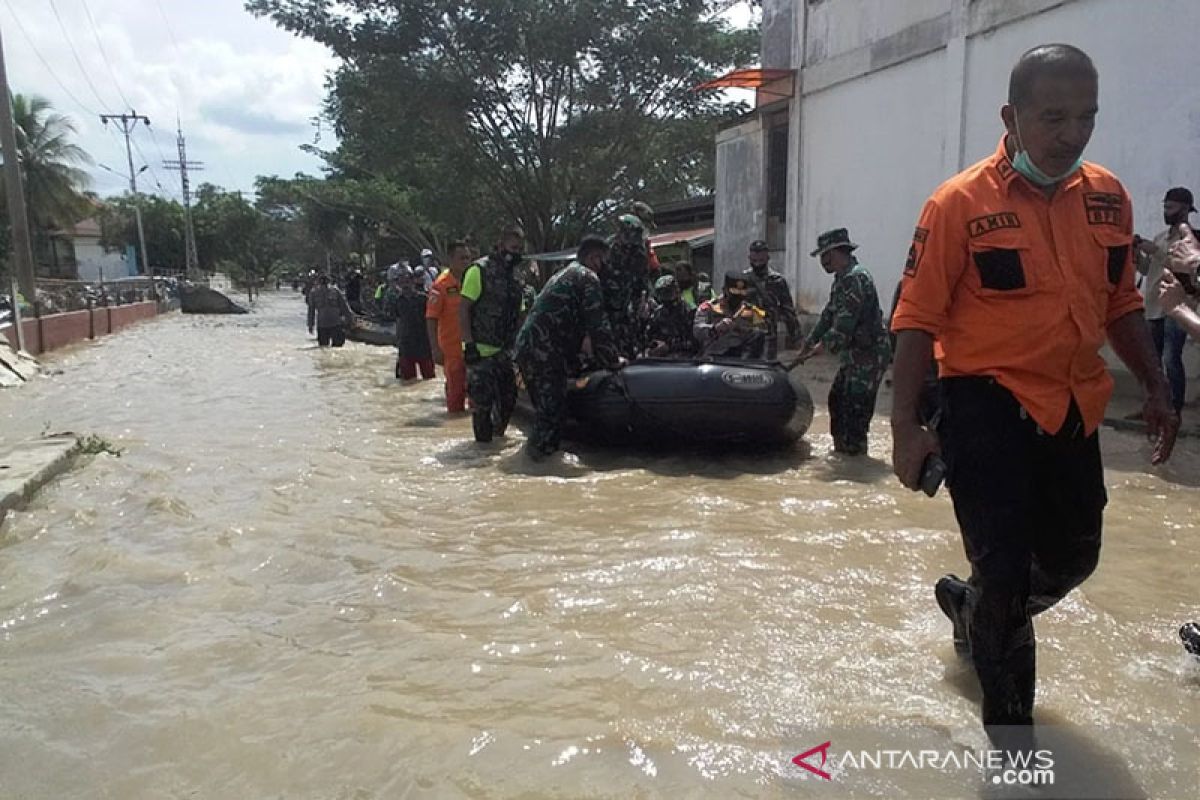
point(54, 184)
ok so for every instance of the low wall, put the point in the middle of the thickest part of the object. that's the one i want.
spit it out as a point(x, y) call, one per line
point(53, 331)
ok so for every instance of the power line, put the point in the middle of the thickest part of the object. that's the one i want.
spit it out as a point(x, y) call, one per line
point(104, 55)
point(49, 70)
point(167, 23)
point(75, 53)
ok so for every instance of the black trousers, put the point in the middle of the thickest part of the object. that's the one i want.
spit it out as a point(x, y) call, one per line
point(332, 334)
point(1029, 504)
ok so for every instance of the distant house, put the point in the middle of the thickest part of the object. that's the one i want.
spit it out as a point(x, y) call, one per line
point(76, 254)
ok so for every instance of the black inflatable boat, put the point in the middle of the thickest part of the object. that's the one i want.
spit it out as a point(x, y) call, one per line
point(370, 331)
point(691, 402)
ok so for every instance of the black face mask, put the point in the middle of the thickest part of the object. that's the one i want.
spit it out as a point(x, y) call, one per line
point(759, 269)
point(733, 301)
point(1182, 216)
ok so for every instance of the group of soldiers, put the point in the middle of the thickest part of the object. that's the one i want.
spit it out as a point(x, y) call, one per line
point(615, 303)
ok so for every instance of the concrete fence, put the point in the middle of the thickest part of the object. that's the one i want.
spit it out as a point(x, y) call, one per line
point(53, 331)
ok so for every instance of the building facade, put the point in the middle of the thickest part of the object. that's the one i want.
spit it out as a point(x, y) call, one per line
point(885, 99)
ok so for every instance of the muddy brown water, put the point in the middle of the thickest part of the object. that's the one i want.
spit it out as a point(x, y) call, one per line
point(301, 579)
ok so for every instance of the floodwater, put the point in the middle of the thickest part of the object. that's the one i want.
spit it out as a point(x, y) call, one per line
point(300, 579)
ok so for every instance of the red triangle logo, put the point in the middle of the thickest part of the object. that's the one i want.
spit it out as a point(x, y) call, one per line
point(823, 749)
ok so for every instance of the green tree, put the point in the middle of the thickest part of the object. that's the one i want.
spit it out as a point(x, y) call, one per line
point(50, 162)
point(232, 234)
point(162, 222)
point(552, 113)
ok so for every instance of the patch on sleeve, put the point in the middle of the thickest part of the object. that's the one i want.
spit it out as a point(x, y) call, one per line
point(915, 251)
point(992, 222)
point(1103, 208)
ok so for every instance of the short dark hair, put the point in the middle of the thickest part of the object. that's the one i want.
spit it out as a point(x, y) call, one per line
point(1060, 60)
point(684, 265)
point(455, 245)
point(590, 244)
point(512, 232)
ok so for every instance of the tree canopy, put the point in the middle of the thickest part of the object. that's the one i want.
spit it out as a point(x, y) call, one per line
point(549, 113)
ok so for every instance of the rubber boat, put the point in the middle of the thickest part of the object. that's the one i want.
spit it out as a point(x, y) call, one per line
point(369, 331)
point(691, 402)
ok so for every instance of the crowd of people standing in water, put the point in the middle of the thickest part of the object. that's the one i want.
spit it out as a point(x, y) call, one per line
point(1021, 267)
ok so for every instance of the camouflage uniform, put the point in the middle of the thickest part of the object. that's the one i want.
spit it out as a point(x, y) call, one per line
point(774, 297)
point(625, 284)
point(491, 381)
point(852, 326)
point(671, 322)
point(569, 307)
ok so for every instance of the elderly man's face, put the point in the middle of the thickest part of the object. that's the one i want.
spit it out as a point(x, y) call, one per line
point(1057, 123)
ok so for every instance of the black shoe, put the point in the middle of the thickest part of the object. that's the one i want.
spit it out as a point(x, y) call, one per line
point(481, 423)
point(1190, 634)
point(951, 593)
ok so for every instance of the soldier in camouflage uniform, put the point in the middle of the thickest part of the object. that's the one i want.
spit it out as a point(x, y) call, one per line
point(669, 329)
point(774, 296)
point(852, 326)
point(625, 283)
point(488, 314)
point(569, 307)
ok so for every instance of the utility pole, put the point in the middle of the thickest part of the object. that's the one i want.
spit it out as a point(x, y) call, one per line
point(128, 123)
point(183, 165)
point(22, 253)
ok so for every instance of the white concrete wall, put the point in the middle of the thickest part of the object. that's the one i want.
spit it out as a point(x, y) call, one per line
point(876, 135)
point(1148, 56)
point(90, 259)
point(836, 27)
point(871, 152)
point(740, 204)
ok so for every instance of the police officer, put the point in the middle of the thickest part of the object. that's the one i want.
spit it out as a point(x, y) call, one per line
point(569, 307)
point(851, 326)
point(731, 326)
point(488, 315)
point(773, 296)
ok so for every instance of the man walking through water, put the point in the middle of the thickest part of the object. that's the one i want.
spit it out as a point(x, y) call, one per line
point(851, 326)
point(1020, 267)
point(488, 315)
point(441, 318)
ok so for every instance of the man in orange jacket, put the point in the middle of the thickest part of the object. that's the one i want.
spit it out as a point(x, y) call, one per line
point(441, 317)
point(1018, 272)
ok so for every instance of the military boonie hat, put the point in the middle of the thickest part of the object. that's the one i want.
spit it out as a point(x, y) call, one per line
point(759, 246)
point(833, 239)
point(665, 286)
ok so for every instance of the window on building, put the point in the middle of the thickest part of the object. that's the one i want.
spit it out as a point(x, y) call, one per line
point(777, 171)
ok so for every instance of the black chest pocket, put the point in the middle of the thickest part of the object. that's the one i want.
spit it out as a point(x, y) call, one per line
point(1000, 268)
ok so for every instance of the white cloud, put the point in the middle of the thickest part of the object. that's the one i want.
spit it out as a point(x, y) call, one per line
point(245, 91)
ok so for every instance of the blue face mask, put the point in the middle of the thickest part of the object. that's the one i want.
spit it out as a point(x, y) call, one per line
point(1023, 164)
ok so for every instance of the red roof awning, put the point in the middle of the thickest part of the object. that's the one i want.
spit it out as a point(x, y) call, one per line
point(749, 78)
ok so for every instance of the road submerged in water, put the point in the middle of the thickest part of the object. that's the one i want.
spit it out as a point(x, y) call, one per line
point(301, 579)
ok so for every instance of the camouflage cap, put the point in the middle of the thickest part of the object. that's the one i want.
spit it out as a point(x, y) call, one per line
point(644, 212)
point(665, 286)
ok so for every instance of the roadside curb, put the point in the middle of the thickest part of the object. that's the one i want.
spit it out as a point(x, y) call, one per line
point(28, 466)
